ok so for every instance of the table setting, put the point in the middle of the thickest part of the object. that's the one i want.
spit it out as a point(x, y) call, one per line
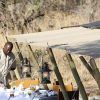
point(31, 93)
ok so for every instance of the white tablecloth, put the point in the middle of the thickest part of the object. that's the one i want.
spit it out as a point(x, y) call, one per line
point(5, 95)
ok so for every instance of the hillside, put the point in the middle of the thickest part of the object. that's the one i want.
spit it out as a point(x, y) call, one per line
point(21, 16)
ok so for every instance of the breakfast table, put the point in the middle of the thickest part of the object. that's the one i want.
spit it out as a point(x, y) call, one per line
point(27, 94)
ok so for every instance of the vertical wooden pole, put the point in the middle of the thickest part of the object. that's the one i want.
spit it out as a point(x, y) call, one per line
point(76, 76)
point(58, 75)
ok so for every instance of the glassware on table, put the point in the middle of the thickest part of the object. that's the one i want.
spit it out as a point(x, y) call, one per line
point(32, 87)
point(12, 93)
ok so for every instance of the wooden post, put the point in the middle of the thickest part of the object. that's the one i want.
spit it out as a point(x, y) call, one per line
point(76, 76)
point(17, 73)
point(58, 75)
point(92, 68)
point(18, 51)
point(6, 39)
point(95, 71)
point(20, 57)
point(33, 57)
point(86, 65)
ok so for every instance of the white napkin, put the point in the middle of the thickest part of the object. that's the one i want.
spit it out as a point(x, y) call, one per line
point(52, 93)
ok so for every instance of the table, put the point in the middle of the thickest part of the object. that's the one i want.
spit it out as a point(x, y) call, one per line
point(5, 96)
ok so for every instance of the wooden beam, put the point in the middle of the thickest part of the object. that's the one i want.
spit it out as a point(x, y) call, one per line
point(95, 71)
point(92, 68)
point(76, 76)
point(18, 51)
point(20, 58)
point(33, 57)
point(86, 65)
point(58, 75)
